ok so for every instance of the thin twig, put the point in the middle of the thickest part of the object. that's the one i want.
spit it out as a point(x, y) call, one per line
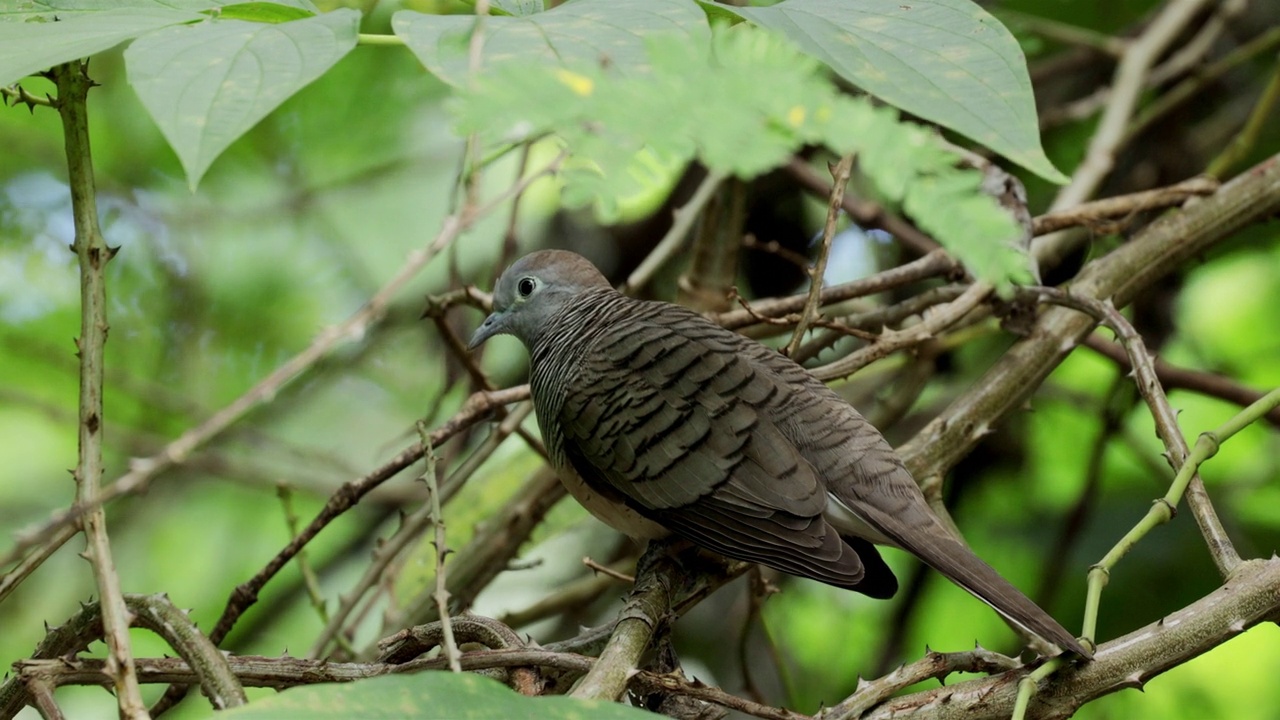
point(1091, 213)
point(18, 94)
point(682, 220)
point(441, 593)
point(1173, 377)
point(576, 594)
point(865, 213)
point(1064, 33)
point(1244, 140)
point(491, 549)
point(385, 554)
point(840, 179)
point(866, 324)
point(931, 265)
point(608, 571)
point(1129, 80)
point(890, 341)
point(1203, 78)
point(309, 579)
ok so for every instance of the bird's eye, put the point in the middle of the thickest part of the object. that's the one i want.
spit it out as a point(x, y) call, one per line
point(525, 286)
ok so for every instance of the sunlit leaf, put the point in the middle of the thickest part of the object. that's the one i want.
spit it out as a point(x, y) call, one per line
point(742, 107)
point(600, 32)
point(207, 84)
point(947, 61)
point(262, 12)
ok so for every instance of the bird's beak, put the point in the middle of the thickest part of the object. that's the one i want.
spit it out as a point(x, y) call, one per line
point(491, 326)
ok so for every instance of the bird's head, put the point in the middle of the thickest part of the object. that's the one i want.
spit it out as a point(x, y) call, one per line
point(535, 289)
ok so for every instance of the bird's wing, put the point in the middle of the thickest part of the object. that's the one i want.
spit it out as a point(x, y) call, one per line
point(664, 412)
point(861, 470)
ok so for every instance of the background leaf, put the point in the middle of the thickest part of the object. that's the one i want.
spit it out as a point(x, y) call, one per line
point(947, 61)
point(518, 7)
point(263, 12)
point(48, 10)
point(29, 47)
point(593, 31)
point(205, 85)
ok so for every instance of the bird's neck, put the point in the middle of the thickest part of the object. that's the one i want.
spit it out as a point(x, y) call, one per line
point(569, 333)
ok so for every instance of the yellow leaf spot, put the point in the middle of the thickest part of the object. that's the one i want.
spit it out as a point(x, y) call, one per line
point(580, 84)
point(796, 115)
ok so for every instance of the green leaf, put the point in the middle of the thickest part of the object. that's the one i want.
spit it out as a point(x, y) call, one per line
point(519, 8)
point(947, 61)
point(205, 85)
point(48, 10)
point(460, 696)
point(28, 47)
point(602, 32)
point(262, 12)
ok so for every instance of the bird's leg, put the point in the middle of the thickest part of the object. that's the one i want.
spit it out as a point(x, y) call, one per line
point(668, 548)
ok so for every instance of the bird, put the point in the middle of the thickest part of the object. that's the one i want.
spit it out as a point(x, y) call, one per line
point(662, 423)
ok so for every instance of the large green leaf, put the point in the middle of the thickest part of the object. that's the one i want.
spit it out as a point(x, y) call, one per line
point(947, 61)
point(48, 10)
point(596, 31)
point(207, 84)
point(28, 47)
point(460, 696)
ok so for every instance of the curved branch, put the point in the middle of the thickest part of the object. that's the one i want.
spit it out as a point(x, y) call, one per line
point(1248, 598)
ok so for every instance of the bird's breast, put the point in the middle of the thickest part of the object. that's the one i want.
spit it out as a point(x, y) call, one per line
point(614, 514)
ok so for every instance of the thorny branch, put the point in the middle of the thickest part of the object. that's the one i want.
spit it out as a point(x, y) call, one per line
point(93, 253)
point(1116, 278)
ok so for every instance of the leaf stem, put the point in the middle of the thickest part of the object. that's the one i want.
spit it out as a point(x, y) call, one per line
point(379, 39)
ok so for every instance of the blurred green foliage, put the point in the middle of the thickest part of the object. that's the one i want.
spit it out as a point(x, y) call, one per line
point(306, 215)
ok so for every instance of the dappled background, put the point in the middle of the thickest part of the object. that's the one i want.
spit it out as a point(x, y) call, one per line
point(307, 216)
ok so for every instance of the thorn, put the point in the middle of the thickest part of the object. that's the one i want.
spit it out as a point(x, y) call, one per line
point(1135, 681)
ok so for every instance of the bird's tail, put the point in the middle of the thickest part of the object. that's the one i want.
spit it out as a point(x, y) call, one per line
point(941, 551)
point(912, 525)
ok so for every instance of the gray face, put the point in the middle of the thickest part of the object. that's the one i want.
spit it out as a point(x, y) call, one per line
point(533, 290)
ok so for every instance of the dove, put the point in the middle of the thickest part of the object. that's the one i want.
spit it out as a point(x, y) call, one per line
point(661, 422)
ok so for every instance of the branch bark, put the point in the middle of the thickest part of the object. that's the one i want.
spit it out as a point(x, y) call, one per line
point(93, 254)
